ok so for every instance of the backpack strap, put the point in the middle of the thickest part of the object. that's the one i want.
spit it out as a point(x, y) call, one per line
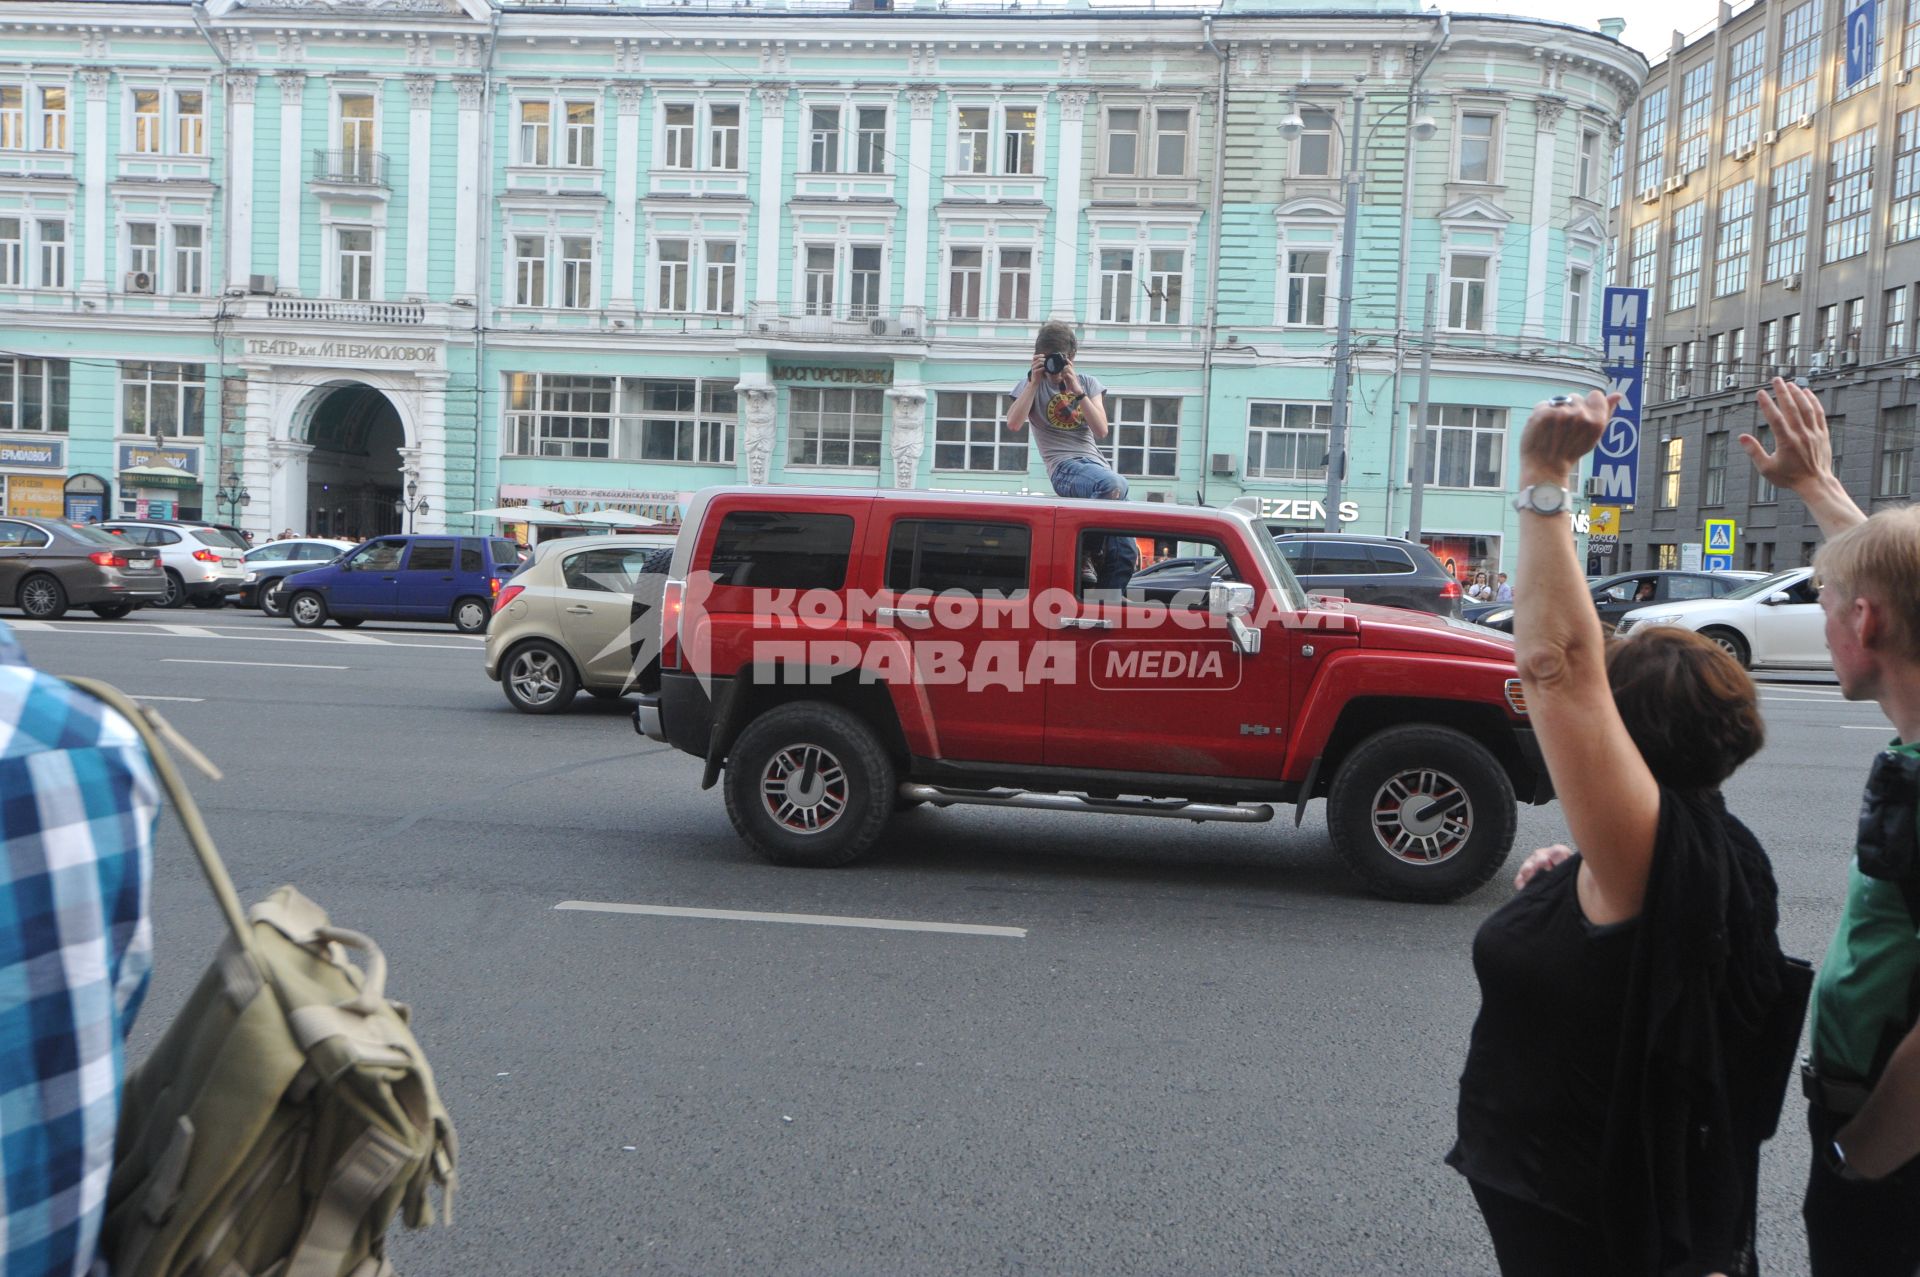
point(158, 734)
point(361, 1175)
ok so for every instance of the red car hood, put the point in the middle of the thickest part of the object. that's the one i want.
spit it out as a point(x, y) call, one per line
point(1401, 630)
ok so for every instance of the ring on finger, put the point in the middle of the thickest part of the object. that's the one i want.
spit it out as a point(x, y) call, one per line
point(1560, 401)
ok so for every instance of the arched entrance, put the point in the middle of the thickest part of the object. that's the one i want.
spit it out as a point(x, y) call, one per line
point(354, 473)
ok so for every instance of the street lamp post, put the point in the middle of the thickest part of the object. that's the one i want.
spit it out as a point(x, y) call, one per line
point(233, 495)
point(412, 503)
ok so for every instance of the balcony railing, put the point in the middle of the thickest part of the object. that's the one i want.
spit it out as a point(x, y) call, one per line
point(325, 311)
point(351, 168)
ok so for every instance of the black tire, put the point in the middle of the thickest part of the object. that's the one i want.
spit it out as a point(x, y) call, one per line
point(837, 777)
point(210, 602)
point(111, 611)
point(271, 598)
point(470, 615)
point(42, 597)
point(538, 678)
point(1731, 643)
point(307, 610)
point(1435, 856)
point(349, 622)
point(176, 591)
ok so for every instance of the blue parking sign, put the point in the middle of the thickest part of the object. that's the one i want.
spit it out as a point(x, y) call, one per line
point(1716, 562)
point(1863, 46)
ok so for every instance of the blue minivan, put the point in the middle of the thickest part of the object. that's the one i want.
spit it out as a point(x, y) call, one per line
point(406, 578)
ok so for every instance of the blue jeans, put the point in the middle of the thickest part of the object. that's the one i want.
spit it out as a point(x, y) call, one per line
point(1084, 478)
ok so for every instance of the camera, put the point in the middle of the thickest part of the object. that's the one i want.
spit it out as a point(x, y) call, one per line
point(1056, 364)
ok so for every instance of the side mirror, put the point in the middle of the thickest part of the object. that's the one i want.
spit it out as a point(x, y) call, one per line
point(1778, 597)
point(1234, 601)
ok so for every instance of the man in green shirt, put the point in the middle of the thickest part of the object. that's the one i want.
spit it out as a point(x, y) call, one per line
point(1863, 1192)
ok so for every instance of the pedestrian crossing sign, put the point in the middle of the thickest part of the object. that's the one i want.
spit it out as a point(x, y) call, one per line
point(1720, 536)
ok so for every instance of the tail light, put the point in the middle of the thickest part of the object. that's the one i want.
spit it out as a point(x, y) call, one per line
point(206, 556)
point(109, 559)
point(506, 596)
point(1451, 590)
point(493, 586)
point(670, 624)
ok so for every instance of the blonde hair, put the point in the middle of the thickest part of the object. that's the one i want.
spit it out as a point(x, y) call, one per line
point(1880, 560)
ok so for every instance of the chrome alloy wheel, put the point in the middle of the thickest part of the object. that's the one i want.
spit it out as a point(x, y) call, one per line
point(805, 789)
point(1422, 817)
point(536, 676)
point(40, 597)
point(305, 609)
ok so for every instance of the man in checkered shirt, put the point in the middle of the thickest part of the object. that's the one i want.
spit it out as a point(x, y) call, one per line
point(77, 808)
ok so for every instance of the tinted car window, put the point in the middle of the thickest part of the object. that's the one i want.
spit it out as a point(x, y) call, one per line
point(269, 553)
point(470, 558)
point(162, 536)
point(315, 552)
point(1295, 553)
point(1725, 585)
point(774, 550)
point(941, 555)
point(431, 556)
point(1340, 558)
point(378, 556)
point(1804, 592)
point(15, 534)
point(92, 536)
point(610, 569)
point(1689, 587)
point(1390, 558)
point(216, 537)
point(1633, 589)
point(506, 554)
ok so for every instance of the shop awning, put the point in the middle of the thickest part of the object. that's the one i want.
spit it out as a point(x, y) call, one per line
point(158, 477)
point(525, 514)
point(615, 519)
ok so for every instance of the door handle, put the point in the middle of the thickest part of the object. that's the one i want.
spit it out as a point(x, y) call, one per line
point(896, 613)
point(1085, 623)
point(580, 609)
point(389, 578)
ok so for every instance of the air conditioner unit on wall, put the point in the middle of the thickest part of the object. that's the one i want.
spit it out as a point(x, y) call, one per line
point(1730, 382)
point(1770, 137)
point(1159, 497)
point(880, 327)
point(1649, 195)
point(1745, 152)
point(1791, 283)
point(1905, 77)
point(139, 281)
point(1848, 358)
point(262, 285)
point(1806, 121)
point(1677, 183)
point(1222, 464)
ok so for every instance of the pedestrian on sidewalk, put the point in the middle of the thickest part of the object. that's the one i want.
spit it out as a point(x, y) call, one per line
point(76, 944)
point(1069, 418)
point(1611, 1110)
point(1862, 1206)
point(1502, 591)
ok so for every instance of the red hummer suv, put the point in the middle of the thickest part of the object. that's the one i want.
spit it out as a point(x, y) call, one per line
point(841, 654)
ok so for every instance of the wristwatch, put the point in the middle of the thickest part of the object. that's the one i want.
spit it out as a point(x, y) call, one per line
point(1544, 498)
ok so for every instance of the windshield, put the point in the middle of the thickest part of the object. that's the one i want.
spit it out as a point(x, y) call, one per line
point(215, 537)
point(1277, 566)
point(94, 536)
point(1766, 585)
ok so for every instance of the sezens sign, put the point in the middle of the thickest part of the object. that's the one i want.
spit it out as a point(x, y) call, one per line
point(357, 352)
point(834, 376)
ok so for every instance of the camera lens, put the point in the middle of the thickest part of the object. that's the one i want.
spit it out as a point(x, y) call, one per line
point(1056, 363)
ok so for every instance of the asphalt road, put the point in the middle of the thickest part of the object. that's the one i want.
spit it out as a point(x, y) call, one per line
point(1209, 1052)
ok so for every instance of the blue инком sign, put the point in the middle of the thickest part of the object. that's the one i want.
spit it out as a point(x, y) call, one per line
point(1623, 362)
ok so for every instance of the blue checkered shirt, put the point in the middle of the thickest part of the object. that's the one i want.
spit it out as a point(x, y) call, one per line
point(77, 809)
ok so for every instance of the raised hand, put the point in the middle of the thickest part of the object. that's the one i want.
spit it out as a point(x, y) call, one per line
point(1560, 432)
point(1802, 447)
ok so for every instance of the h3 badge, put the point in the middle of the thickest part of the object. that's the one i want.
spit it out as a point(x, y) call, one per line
point(1259, 729)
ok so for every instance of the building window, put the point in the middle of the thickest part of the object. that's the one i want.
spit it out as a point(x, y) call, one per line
point(354, 257)
point(1479, 157)
point(1653, 141)
point(189, 258)
point(865, 147)
point(1014, 296)
point(1672, 457)
point(1123, 141)
point(675, 267)
point(1910, 41)
point(1466, 446)
point(1769, 347)
point(1616, 174)
point(1852, 324)
point(976, 128)
point(1849, 196)
point(1317, 151)
point(1713, 470)
point(823, 144)
point(1746, 75)
point(560, 416)
point(676, 133)
point(1147, 142)
point(13, 117)
point(1644, 256)
point(1666, 556)
point(52, 234)
point(189, 122)
point(820, 269)
point(1893, 477)
point(1799, 64)
point(677, 270)
point(529, 270)
point(1588, 184)
point(1579, 287)
point(1764, 492)
point(581, 125)
point(1307, 274)
point(870, 140)
point(1019, 136)
point(1736, 354)
point(1696, 117)
point(675, 420)
point(576, 272)
point(1716, 361)
point(863, 281)
point(1166, 284)
point(143, 250)
point(17, 129)
point(1144, 439)
point(834, 427)
point(1683, 263)
point(966, 279)
point(1288, 440)
point(148, 130)
point(536, 134)
point(970, 433)
point(356, 134)
point(1787, 218)
point(1893, 321)
point(723, 135)
point(33, 395)
point(1733, 246)
point(973, 139)
point(1116, 285)
point(1905, 221)
point(1467, 292)
point(722, 276)
point(13, 253)
point(162, 400)
point(1790, 340)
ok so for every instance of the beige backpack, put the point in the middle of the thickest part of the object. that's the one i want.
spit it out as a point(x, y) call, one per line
point(288, 1114)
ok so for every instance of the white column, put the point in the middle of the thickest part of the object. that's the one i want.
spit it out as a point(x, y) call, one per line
point(428, 458)
point(626, 191)
point(1066, 204)
point(773, 140)
point(94, 278)
point(284, 485)
point(240, 162)
point(466, 213)
point(293, 85)
point(419, 181)
point(1546, 136)
point(920, 227)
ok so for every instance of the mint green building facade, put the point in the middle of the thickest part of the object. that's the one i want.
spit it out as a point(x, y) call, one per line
point(606, 256)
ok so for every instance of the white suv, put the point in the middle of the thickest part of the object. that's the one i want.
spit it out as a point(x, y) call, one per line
point(203, 563)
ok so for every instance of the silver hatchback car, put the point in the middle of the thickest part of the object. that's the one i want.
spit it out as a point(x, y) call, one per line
point(565, 622)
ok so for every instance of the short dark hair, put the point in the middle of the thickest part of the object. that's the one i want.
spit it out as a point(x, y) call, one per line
point(1056, 338)
point(1689, 707)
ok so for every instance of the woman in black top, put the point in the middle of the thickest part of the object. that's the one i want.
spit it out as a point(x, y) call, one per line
point(1614, 1097)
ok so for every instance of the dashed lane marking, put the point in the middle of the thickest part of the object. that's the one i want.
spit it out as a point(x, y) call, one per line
point(279, 665)
point(185, 700)
point(152, 631)
point(801, 919)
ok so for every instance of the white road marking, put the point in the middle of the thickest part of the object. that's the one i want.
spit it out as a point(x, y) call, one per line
point(190, 700)
point(357, 638)
point(1806, 700)
point(1865, 727)
point(279, 665)
point(151, 630)
point(1801, 687)
point(184, 631)
point(802, 919)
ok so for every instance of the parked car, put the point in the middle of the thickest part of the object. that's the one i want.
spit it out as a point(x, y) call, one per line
point(1411, 726)
point(1773, 621)
point(1615, 596)
point(566, 621)
point(47, 565)
point(202, 561)
point(1387, 571)
point(277, 560)
point(427, 577)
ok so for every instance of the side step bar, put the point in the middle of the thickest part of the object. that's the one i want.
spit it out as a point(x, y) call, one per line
point(1176, 808)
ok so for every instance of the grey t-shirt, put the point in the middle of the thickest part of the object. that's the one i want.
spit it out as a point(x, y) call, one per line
point(1071, 439)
